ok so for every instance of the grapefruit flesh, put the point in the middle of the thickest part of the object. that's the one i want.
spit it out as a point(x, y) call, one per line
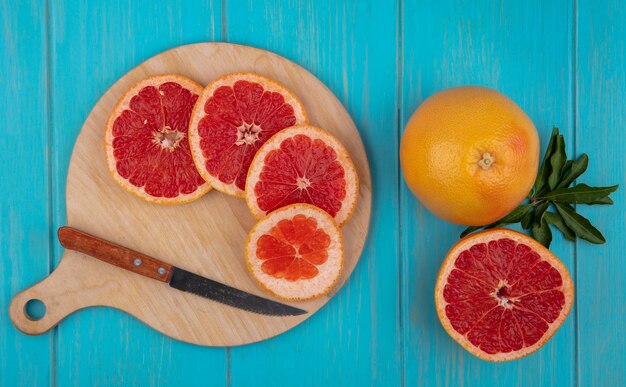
point(295, 253)
point(502, 295)
point(303, 164)
point(234, 116)
point(146, 141)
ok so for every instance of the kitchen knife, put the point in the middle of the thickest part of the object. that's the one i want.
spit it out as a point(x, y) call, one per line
point(177, 278)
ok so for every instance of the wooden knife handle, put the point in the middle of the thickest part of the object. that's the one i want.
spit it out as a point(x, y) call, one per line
point(114, 254)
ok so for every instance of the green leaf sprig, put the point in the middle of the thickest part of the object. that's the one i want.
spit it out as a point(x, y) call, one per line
point(552, 191)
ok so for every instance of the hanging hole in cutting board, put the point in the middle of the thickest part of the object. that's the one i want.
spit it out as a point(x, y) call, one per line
point(35, 309)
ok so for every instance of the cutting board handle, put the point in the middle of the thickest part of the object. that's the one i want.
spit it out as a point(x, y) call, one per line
point(57, 295)
point(62, 292)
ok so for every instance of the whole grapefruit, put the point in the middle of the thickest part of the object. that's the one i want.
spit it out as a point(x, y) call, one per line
point(470, 155)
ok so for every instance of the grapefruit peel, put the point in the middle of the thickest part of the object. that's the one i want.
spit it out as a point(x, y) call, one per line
point(258, 167)
point(171, 139)
point(504, 302)
point(246, 134)
point(318, 252)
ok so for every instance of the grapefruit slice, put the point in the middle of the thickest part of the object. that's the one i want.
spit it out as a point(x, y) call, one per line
point(295, 253)
point(234, 116)
point(145, 141)
point(303, 164)
point(502, 295)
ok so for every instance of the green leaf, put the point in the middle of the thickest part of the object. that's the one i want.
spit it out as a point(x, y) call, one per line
point(557, 220)
point(541, 232)
point(579, 224)
point(552, 188)
point(540, 209)
point(604, 200)
point(566, 167)
point(557, 160)
point(579, 194)
point(469, 230)
point(514, 216)
point(544, 169)
point(527, 220)
point(578, 168)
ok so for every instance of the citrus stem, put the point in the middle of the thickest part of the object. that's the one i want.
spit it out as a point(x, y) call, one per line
point(535, 201)
point(486, 161)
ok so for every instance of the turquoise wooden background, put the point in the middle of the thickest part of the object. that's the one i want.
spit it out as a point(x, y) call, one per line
point(564, 62)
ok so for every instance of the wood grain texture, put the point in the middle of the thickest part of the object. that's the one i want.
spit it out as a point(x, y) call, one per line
point(24, 205)
point(96, 43)
point(601, 133)
point(351, 47)
point(524, 51)
point(205, 237)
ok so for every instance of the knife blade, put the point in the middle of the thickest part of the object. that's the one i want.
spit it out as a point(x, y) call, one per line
point(175, 277)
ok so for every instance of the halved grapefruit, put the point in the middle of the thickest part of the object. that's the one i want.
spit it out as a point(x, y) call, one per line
point(502, 295)
point(145, 141)
point(303, 164)
point(295, 253)
point(234, 116)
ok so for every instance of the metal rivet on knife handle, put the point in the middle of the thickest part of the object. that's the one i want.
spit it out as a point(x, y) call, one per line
point(161, 271)
point(114, 254)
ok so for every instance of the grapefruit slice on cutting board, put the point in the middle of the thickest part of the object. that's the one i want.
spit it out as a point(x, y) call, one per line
point(146, 143)
point(296, 252)
point(234, 116)
point(303, 164)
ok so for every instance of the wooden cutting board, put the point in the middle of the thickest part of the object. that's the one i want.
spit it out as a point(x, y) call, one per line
point(205, 237)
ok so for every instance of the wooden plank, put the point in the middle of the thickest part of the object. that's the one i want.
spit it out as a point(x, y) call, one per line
point(351, 47)
point(601, 92)
point(95, 44)
point(522, 49)
point(24, 205)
